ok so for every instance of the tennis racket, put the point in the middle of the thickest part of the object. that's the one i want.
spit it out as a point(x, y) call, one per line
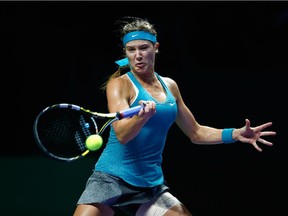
point(61, 130)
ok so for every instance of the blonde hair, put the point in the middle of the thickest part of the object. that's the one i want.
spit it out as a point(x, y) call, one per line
point(130, 24)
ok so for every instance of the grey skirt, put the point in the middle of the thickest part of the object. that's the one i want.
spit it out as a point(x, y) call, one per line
point(118, 194)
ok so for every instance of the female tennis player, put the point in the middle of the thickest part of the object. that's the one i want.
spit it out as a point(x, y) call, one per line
point(128, 178)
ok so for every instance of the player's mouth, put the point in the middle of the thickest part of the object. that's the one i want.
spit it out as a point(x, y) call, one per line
point(140, 65)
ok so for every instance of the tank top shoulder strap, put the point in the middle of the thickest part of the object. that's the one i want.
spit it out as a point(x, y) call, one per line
point(134, 80)
point(161, 81)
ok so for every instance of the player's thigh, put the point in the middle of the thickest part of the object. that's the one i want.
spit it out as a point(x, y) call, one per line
point(93, 210)
point(166, 204)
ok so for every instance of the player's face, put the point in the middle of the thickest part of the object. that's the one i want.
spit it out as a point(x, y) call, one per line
point(141, 55)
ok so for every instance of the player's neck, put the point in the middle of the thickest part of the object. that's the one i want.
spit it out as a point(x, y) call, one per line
point(146, 77)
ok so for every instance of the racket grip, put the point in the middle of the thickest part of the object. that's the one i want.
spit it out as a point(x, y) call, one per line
point(129, 112)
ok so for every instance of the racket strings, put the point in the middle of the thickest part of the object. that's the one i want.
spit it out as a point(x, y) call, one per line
point(82, 133)
point(63, 132)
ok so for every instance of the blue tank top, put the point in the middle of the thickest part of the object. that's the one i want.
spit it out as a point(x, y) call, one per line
point(138, 162)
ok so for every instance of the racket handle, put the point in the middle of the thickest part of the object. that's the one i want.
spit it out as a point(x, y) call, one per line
point(129, 112)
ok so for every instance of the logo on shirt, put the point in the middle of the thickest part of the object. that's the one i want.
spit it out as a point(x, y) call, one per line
point(171, 104)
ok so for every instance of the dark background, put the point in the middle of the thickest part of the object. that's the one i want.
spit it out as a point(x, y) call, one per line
point(228, 58)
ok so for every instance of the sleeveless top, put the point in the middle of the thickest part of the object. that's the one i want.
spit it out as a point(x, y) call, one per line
point(138, 162)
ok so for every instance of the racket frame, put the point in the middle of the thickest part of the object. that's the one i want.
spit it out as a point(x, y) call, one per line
point(110, 117)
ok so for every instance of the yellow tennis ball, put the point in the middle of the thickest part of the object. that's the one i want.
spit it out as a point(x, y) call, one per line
point(94, 142)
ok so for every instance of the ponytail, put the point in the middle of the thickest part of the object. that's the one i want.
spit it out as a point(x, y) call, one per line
point(112, 76)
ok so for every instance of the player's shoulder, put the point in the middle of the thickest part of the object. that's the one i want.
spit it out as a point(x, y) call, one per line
point(168, 81)
point(171, 84)
point(120, 82)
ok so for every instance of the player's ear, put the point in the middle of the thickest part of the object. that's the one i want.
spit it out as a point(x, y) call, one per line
point(156, 47)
